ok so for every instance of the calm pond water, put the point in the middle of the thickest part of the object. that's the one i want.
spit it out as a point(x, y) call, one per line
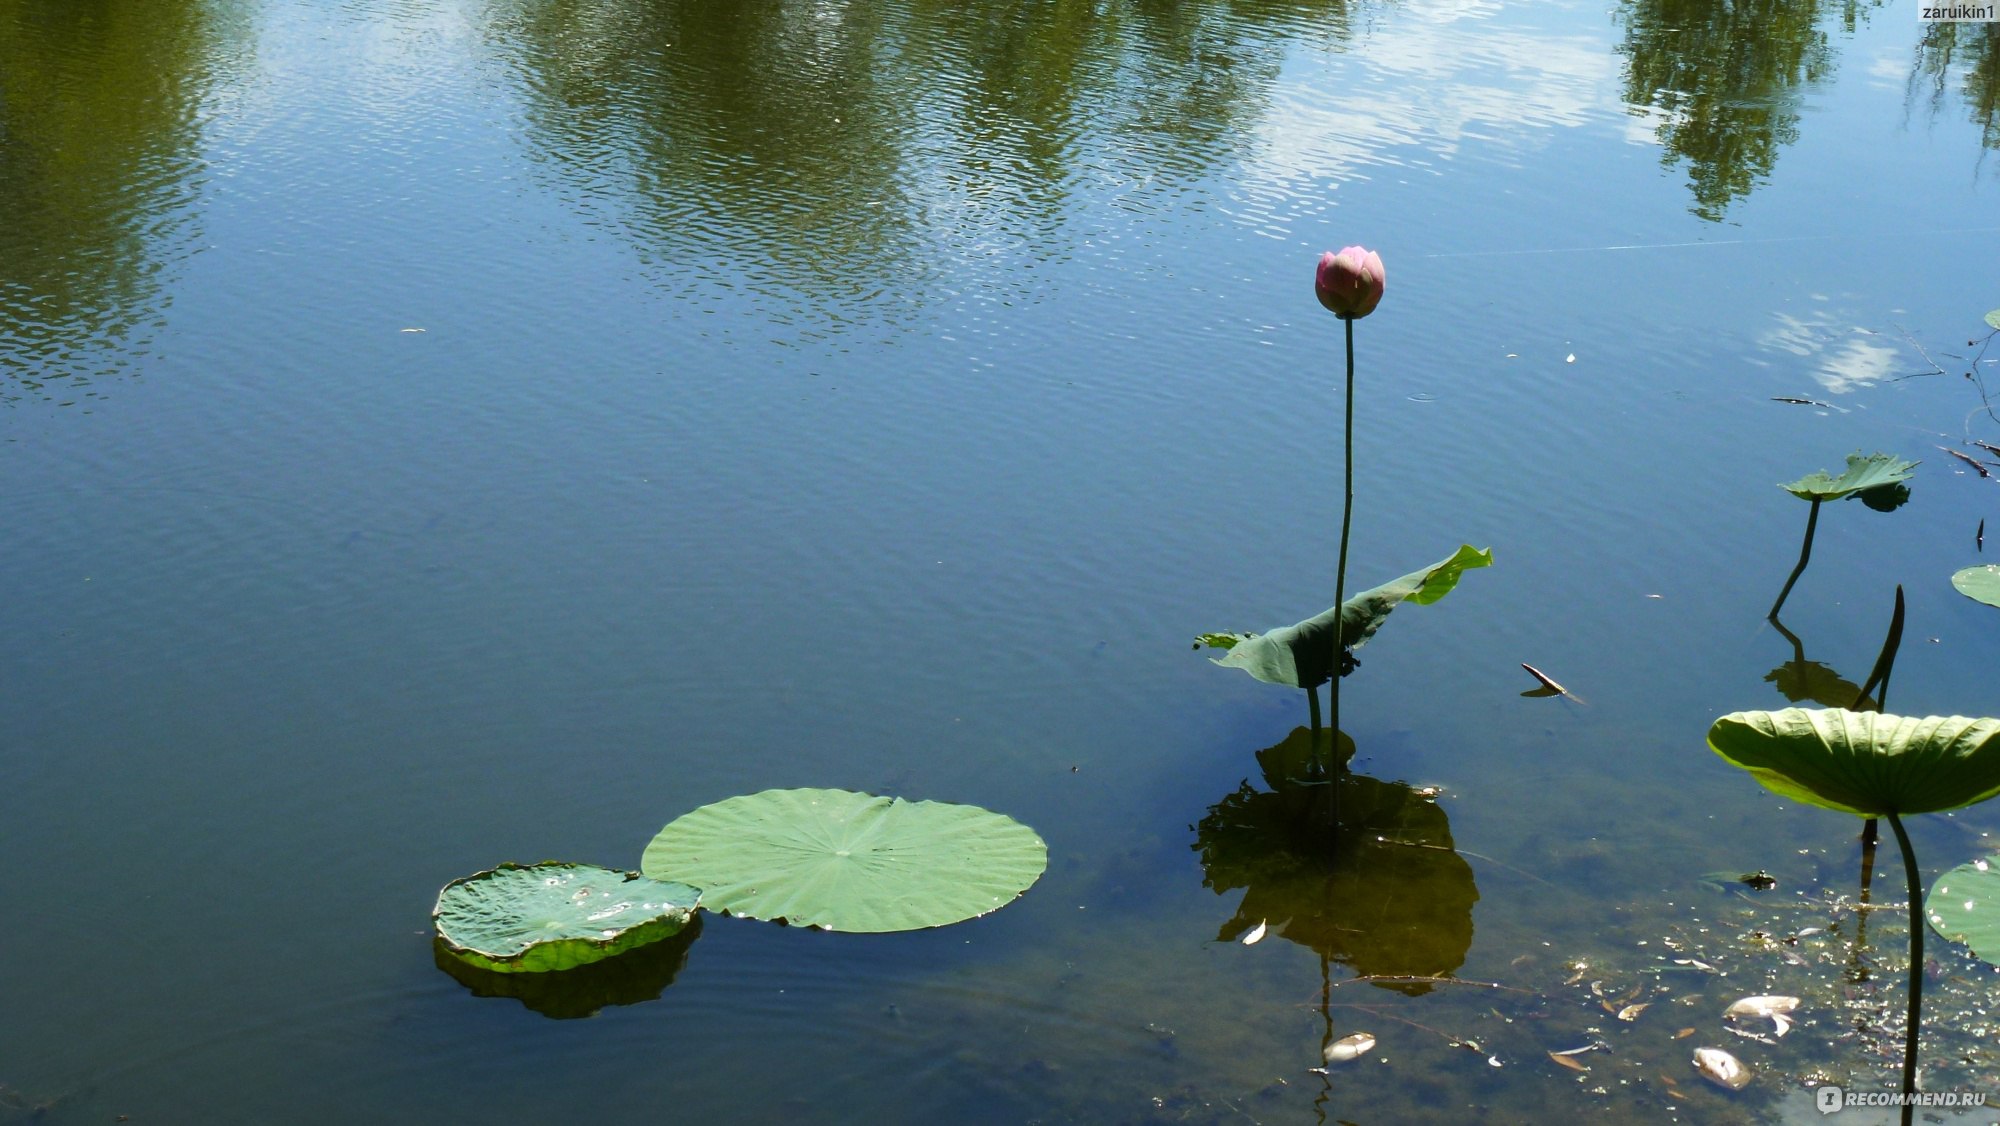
point(452, 431)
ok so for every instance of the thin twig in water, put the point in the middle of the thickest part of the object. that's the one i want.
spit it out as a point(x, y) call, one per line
point(1978, 466)
point(1374, 1011)
point(1416, 979)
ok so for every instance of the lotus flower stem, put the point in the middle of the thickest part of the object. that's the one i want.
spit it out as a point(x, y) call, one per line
point(1916, 964)
point(1878, 681)
point(1340, 570)
point(1805, 555)
point(1312, 699)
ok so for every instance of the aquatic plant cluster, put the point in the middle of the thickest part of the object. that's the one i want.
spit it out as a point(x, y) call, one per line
point(1847, 756)
point(1316, 845)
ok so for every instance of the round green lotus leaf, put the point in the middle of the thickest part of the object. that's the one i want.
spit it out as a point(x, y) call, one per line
point(844, 861)
point(1964, 906)
point(1981, 584)
point(1865, 763)
point(552, 916)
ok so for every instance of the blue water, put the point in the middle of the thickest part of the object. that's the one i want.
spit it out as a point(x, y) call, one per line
point(445, 432)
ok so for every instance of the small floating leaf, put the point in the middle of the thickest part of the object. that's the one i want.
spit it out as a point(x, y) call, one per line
point(1255, 936)
point(1964, 906)
point(1304, 655)
point(839, 860)
point(1548, 683)
point(1721, 1068)
point(1981, 584)
point(1567, 1061)
point(1993, 318)
point(550, 916)
point(1863, 473)
point(1349, 1047)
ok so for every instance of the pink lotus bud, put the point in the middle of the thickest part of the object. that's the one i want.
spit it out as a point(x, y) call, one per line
point(1350, 283)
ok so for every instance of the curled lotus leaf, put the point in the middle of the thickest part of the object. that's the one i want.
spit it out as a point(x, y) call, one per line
point(1865, 763)
point(1304, 655)
point(839, 860)
point(1874, 472)
point(553, 916)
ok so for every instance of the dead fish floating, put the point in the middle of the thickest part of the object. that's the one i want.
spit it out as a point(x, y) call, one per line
point(1721, 1068)
point(1776, 1008)
point(1349, 1047)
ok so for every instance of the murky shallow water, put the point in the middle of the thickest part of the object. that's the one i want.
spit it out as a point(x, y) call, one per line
point(448, 432)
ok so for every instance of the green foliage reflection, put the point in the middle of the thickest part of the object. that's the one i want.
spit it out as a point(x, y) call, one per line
point(100, 158)
point(1381, 889)
point(1725, 79)
point(851, 152)
point(1971, 51)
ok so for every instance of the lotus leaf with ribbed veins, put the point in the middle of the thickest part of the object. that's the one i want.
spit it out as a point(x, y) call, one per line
point(844, 861)
point(1865, 763)
point(1876, 471)
point(553, 916)
point(1304, 655)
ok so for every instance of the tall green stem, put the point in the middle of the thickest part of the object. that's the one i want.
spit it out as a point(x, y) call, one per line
point(1916, 963)
point(1805, 555)
point(1340, 571)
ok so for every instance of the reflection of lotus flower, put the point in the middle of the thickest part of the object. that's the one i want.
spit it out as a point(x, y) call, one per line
point(1350, 283)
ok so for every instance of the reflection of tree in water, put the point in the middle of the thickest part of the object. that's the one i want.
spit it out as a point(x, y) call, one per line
point(1972, 49)
point(1726, 78)
point(1381, 891)
point(852, 150)
point(99, 154)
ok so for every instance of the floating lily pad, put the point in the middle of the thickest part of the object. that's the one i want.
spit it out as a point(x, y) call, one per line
point(844, 861)
point(553, 916)
point(1981, 584)
point(1865, 763)
point(1876, 471)
point(1964, 906)
point(1303, 655)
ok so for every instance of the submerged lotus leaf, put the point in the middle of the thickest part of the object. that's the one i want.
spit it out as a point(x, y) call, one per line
point(844, 861)
point(1865, 763)
point(553, 916)
point(1303, 655)
point(1964, 906)
point(1981, 584)
point(1876, 471)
